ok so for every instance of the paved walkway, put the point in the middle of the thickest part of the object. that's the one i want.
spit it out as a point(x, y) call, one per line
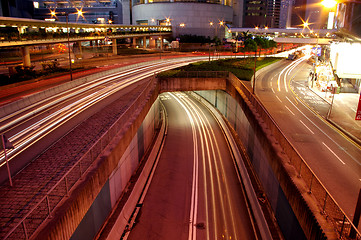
point(343, 112)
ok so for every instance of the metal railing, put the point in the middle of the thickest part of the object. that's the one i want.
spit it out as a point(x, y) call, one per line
point(46, 204)
point(193, 74)
point(326, 203)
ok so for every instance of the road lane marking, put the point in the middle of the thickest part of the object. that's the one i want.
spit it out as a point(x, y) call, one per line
point(355, 160)
point(290, 110)
point(278, 99)
point(194, 197)
point(333, 153)
point(215, 154)
point(307, 127)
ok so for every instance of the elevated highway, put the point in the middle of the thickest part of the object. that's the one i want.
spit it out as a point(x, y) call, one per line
point(19, 32)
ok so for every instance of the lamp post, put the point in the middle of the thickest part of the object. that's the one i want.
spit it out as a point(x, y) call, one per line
point(67, 27)
point(66, 14)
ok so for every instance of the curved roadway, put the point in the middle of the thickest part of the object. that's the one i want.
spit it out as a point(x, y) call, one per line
point(28, 127)
point(195, 192)
point(333, 158)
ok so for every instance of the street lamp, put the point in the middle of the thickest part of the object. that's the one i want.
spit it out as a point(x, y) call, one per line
point(66, 14)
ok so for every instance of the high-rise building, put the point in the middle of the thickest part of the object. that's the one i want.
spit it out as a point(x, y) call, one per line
point(16, 8)
point(348, 17)
point(93, 11)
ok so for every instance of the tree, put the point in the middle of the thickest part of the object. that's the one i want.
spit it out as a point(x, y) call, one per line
point(262, 43)
point(257, 43)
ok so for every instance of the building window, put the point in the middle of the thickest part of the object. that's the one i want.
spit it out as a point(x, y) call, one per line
point(255, 2)
point(254, 8)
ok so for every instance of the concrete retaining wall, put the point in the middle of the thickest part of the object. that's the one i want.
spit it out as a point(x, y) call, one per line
point(119, 178)
point(82, 214)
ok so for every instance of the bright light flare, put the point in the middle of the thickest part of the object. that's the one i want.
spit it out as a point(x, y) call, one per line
point(329, 3)
point(53, 13)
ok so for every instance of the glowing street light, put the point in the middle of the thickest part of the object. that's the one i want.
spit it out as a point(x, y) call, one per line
point(305, 25)
point(329, 3)
point(66, 14)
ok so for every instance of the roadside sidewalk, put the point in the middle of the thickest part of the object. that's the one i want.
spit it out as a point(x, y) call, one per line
point(342, 112)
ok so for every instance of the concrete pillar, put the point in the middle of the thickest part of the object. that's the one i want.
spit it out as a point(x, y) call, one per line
point(152, 42)
point(26, 56)
point(80, 49)
point(144, 42)
point(115, 47)
point(161, 43)
point(282, 47)
point(134, 42)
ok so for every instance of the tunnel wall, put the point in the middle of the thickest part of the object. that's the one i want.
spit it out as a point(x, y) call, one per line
point(82, 214)
point(119, 178)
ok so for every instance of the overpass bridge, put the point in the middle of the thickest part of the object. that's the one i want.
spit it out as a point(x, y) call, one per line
point(276, 161)
point(290, 35)
point(19, 32)
point(23, 33)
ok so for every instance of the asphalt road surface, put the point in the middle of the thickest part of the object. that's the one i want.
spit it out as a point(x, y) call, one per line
point(195, 192)
point(334, 159)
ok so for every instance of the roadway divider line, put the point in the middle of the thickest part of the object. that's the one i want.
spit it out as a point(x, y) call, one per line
point(321, 129)
point(307, 127)
point(246, 181)
point(333, 153)
point(194, 199)
point(290, 110)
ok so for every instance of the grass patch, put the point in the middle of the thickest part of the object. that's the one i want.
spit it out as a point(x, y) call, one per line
point(240, 67)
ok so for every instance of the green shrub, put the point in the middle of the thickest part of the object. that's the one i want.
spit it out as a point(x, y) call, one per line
point(241, 68)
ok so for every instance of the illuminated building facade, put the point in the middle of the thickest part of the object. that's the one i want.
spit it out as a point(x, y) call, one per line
point(348, 17)
point(198, 17)
point(94, 11)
